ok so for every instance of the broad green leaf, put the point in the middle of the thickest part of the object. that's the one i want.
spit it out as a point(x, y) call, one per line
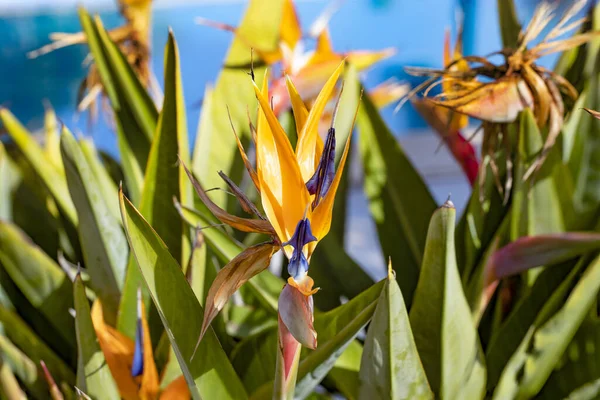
point(244, 321)
point(135, 114)
point(215, 147)
point(509, 23)
point(549, 337)
point(96, 379)
point(209, 374)
point(336, 330)
point(401, 219)
point(108, 188)
point(390, 366)
point(440, 317)
point(50, 175)
point(102, 240)
point(33, 347)
point(164, 181)
point(39, 278)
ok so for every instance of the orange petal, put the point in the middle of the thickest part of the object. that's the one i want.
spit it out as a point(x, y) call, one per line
point(500, 101)
point(290, 32)
point(307, 139)
point(278, 172)
point(176, 390)
point(150, 385)
point(363, 59)
point(300, 111)
point(244, 266)
point(118, 352)
point(324, 51)
point(242, 224)
point(388, 92)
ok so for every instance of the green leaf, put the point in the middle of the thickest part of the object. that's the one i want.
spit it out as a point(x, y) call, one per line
point(102, 240)
point(164, 181)
point(440, 317)
point(549, 337)
point(30, 344)
point(390, 366)
point(401, 220)
point(50, 176)
point(96, 380)
point(135, 114)
point(509, 23)
point(336, 330)
point(209, 374)
point(108, 188)
point(215, 147)
point(39, 278)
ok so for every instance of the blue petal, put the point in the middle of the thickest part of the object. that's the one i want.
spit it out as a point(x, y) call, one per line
point(321, 181)
point(298, 265)
point(137, 368)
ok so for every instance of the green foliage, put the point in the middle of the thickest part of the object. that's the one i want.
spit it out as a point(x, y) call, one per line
point(504, 306)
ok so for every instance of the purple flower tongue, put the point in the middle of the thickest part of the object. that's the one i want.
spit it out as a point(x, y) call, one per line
point(298, 265)
point(321, 181)
point(137, 368)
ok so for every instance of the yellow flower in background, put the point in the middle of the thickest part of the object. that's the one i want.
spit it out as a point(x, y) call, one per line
point(297, 189)
point(310, 69)
point(131, 363)
point(134, 41)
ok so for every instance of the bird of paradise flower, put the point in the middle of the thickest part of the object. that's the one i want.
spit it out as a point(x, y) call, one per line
point(309, 69)
point(297, 189)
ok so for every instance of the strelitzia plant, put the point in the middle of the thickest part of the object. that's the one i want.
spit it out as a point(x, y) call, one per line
point(516, 84)
point(297, 191)
point(134, 41)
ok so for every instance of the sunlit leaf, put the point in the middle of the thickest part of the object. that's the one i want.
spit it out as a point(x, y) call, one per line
point(390, 366)
point(96, 380)
point(440, 317)
point(102, 240)
point(209, 374)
